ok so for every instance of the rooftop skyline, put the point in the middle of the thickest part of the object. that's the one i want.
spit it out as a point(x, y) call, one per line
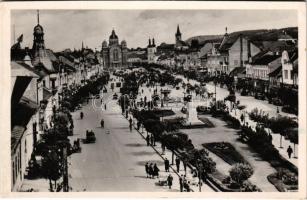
point(68, 28)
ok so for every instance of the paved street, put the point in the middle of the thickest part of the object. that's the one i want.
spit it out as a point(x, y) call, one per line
point(116, 161)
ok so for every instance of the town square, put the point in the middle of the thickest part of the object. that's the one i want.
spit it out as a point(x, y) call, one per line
point(154, 101)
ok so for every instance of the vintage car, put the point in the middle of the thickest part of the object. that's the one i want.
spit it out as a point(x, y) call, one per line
point(90, 137)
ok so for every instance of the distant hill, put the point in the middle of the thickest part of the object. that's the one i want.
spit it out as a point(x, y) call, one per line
point(254, 35)
point(203, 38)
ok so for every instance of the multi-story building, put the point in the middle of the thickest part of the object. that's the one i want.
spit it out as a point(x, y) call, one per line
point(289, 63)
point(114, 55)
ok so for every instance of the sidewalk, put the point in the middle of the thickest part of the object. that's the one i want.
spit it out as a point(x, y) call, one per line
point(168, 154)
point(275, 140)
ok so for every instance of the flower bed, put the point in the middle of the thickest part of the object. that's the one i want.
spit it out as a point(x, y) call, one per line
point(225, 151)
point(284, 180)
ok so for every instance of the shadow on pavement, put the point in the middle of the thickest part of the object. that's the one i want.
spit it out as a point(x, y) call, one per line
point(143, 153)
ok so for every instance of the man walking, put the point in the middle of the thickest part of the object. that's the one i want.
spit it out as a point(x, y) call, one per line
point(177, 160)
point(290, 151)
point(166, 164)
point(170, 181)
point(147, 169)
point(147, 139)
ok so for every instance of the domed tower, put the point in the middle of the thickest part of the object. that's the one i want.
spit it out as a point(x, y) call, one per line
point(38, 33)
point(40, 57)
point(113, 39)
point(105, 53)
point(124, 53)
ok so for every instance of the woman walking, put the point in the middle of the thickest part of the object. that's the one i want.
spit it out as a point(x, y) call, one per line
point(156, 171)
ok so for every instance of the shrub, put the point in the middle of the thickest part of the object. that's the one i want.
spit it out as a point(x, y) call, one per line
point(241, 172)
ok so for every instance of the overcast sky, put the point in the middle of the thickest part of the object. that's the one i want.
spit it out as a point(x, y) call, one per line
point(68, 28)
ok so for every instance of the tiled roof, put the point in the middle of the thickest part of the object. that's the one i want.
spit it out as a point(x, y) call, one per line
point(266, 59)
point(276, 72)
point(24, 69)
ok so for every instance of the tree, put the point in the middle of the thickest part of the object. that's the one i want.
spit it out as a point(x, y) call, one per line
point(293, 136)
point(240, 173)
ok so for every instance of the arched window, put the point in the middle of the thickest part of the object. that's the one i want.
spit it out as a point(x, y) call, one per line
point(115, 54)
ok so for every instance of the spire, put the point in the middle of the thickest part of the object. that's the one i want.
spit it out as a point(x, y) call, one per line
point(37, 16)
point(153, 42)
point(226, 34)
point(82, 46)
point(178, 30)
point(149, 42)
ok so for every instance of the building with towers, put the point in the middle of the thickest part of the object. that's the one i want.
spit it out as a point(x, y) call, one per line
point(151, 51)
point(114, 55)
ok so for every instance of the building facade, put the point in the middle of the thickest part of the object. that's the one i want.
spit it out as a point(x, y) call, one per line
point(151, 51)
point(114, 55)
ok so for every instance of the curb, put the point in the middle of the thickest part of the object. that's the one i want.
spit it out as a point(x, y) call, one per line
point(208, 182)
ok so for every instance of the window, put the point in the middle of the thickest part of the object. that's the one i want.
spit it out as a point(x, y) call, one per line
point(115, 55)
point(44, 83)
point(286, 74)
point(291, 74)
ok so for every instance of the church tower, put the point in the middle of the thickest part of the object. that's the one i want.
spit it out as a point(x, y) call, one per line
point(151, 51)
point(40, 57)
point(177, 35)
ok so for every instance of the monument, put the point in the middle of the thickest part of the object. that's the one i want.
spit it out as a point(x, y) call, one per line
point(191, 118)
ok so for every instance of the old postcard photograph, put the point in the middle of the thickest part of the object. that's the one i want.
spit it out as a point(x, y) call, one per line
point(158, 97)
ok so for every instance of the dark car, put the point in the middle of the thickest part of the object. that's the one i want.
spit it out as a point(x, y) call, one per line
point(90, 137)
point(115, 96)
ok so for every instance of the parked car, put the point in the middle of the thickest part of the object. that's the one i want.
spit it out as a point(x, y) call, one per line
point(276, 102)
point(115, 96)
point(90, 137)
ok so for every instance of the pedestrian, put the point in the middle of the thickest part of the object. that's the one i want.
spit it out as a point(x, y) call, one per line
point(177, 160)
point(181, 183)
point(138, 124)
point(290, 151)
point(151, 170)
point(147, 139)
point(277, 110)
point(166, 165)
point(127, 113)
point(170, 181)
point(147, 169)
point(185, 166)
point(130, 121)
point(105, 106)
point(102, 123)
point(130, 127)
point(81, 115)
point(156, 171)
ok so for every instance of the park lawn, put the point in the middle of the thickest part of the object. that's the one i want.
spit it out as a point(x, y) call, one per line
point(225, 151)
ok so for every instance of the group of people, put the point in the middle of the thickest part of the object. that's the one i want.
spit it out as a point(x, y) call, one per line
point(184, 184)
point(150, 140)
point(152, 170)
